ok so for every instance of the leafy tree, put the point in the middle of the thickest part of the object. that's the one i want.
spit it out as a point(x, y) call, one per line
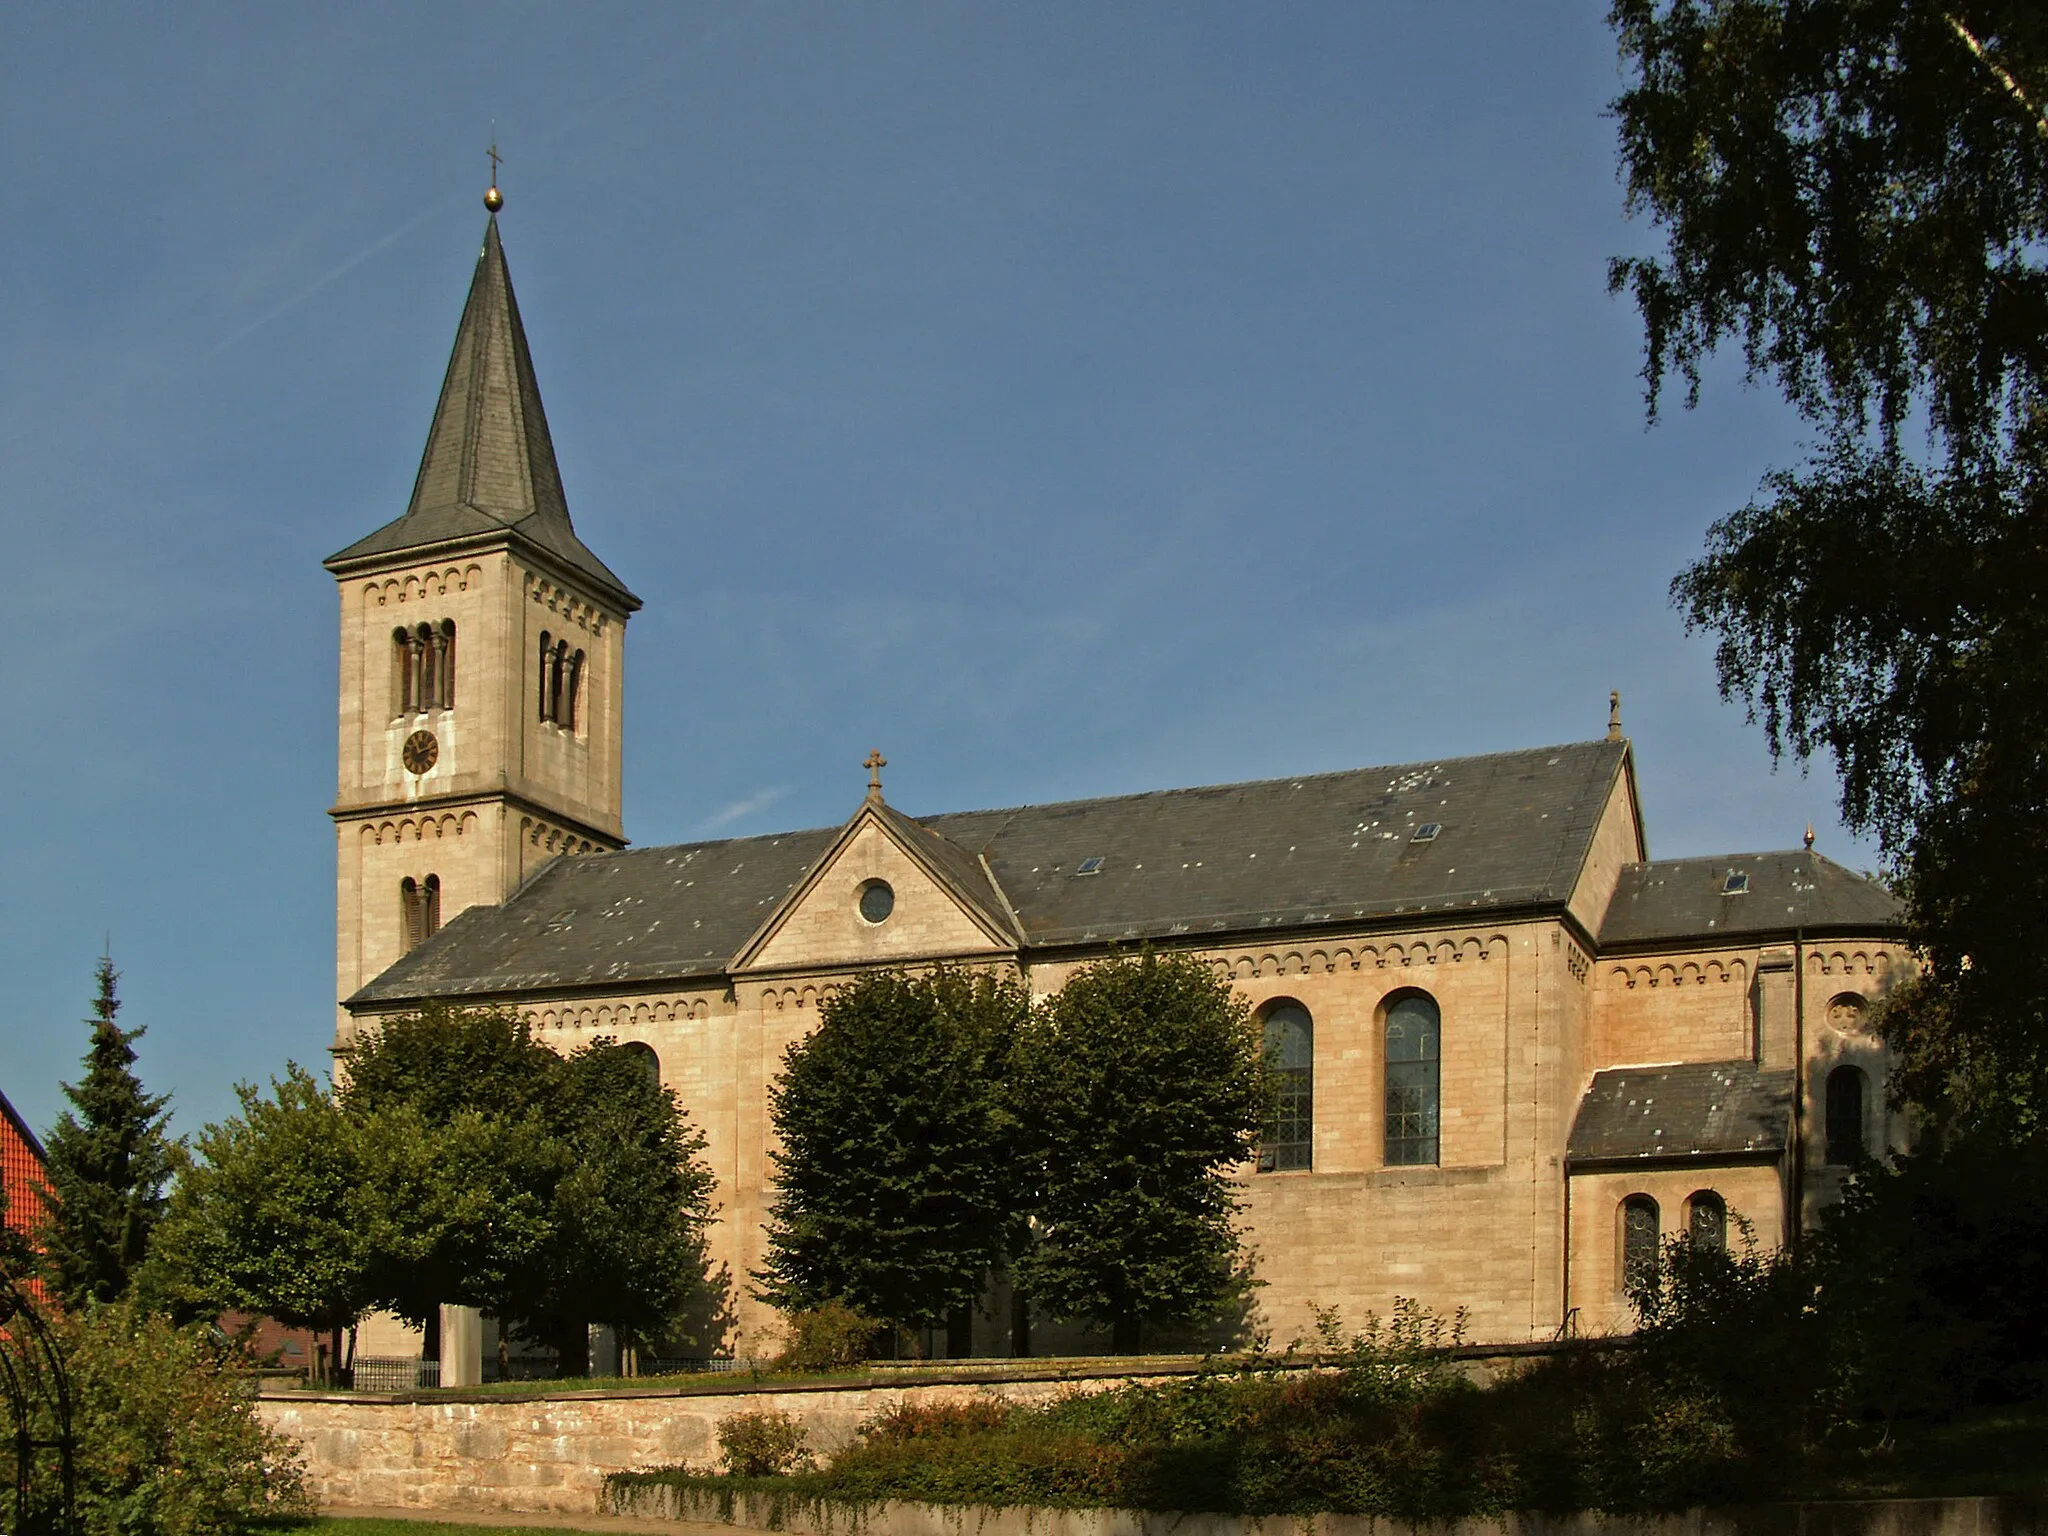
point(550, 1191)
point(897, 1179)
point(1147, 1083)
point(630, 1209)
point(108, 1165)
point(271, 1216)
point(1855, 193)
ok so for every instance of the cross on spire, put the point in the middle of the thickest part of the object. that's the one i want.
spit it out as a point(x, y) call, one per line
point(494, 199)
point(874, 764)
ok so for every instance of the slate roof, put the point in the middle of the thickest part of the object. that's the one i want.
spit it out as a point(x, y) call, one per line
point(1233, 858)
point(1687, 899)
point(1699, 1109)
point(489, 467)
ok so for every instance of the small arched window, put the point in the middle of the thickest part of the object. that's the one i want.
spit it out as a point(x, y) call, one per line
point(1706, 1221)
point(1845, 1115)
point(420, 908)
point(1414, 1051)
point(1640, 1233)
point(1291, 1051)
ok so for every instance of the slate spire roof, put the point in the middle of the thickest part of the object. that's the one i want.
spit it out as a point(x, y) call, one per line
point(489, 472)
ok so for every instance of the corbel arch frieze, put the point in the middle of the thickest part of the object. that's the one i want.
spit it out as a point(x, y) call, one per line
point(570, 607)
point(1327, 959)
point(416, 586)
point(626, 1016)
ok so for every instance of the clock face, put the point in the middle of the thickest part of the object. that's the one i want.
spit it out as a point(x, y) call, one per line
point(420, 751)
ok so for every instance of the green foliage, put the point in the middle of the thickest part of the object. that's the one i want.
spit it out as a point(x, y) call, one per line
point(108, 1165)
point(1931, 1277)
point(461, 1162)
point(1146, 1084)
point(897, 1184)
point(762, 1444)
point(168, 1439)
point(829, 1337)
point(271, 1216)
point(1856, 193)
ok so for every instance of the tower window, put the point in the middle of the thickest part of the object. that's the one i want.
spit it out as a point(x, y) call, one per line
point(561, 681)
point(424, 659)
point(1291, 1050)
point(1414, 1057)
point(1845, 1115)
point(420, 907)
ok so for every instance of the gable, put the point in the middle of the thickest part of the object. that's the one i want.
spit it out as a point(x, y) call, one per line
point(823, 927)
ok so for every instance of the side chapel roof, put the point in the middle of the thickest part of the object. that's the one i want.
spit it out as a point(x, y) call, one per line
point(1514, 829)
point(489, 471)
point(1697, 1109)
point(1784, 892)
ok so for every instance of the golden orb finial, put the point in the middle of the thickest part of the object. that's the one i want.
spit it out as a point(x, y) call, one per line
point(494, 199)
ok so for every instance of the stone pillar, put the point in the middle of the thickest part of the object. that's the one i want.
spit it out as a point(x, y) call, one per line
point(462, 1347)
point(604, 1351)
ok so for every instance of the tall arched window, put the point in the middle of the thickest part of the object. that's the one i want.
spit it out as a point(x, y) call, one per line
point(1640, 1232)
point(644, 1055)
point(447, 656)
point(1706, 1221)
point(572, 691)
point(1845, 1115)
point(547, 650)
point(1414, 1050)
point(1291, 1049)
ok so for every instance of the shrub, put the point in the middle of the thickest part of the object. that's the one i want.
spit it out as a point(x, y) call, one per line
point(832, 1337)
point(932, 1421)
point(168, 1439)
point(765, 1444)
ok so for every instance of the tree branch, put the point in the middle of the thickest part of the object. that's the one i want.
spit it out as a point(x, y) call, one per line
point(2012, 86)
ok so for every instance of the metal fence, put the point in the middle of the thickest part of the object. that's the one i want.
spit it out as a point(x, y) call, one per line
point(394, 1373)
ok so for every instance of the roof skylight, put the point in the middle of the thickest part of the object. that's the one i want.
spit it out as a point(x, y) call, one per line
point(1426, 833)
point(1737, 883)
point(1090, 866)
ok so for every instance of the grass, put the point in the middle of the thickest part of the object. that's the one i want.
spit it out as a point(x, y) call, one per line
point(1984, 1452)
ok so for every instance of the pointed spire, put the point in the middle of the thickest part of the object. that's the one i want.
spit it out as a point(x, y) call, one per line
point(489, 467)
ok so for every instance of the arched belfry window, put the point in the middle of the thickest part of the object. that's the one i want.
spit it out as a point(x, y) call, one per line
point(1413, 1060)
point(561, 681)
point(1291, 1051)
point(423, 656)
point(1706, 1221)
point(1641, 1231)
point(420, 908)
point(1845, 1115)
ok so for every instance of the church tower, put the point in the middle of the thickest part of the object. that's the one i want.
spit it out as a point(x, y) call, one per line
point(482, 650)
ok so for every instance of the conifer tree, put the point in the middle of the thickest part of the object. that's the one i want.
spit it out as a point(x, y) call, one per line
point(108, 1165)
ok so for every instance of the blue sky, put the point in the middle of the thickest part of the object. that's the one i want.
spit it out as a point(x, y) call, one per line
point(1068, 399)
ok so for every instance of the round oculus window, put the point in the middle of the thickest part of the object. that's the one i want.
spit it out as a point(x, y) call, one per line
point(877, 901)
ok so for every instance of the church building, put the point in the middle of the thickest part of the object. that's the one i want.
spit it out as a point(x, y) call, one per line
point(1516, 1051)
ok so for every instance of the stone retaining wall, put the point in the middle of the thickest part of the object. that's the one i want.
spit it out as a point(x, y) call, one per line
point(551, 1454)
